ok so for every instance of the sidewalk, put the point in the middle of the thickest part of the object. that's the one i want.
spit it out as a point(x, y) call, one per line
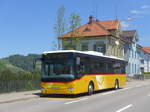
point(17, 96)
point(137, 82)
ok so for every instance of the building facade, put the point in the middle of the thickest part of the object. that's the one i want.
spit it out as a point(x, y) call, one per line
point(146, 52)
point(108, 38)
point(131, 52)
point(100, 36)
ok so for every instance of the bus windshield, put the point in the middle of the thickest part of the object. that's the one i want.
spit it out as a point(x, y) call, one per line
point(58, 69)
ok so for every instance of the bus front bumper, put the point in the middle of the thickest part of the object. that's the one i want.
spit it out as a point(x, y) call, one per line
point(50, 88)
point(57, 91)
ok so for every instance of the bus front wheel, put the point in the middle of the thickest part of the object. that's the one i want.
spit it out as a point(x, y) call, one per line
point(90, 89)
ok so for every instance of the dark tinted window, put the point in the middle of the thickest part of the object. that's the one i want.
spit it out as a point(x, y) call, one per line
point(84, 47)
point(100, 66)
point(84, 67)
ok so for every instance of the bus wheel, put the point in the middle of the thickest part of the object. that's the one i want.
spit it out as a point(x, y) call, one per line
point(116, 84)
point(90, 89)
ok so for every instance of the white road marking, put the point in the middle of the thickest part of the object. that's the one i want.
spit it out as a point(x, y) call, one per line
point(124, 108)
point(108, 93)
point(76, 101)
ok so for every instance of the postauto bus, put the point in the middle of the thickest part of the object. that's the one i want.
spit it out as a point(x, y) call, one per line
point(75, 72)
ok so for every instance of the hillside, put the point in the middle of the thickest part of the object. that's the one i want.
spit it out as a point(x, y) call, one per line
point(17, 73)
point(23, 62)
point(4, 64)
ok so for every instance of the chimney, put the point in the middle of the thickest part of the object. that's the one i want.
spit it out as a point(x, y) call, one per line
point(91, 19)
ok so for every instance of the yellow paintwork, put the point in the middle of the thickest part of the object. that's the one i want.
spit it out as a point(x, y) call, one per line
point(81, 85)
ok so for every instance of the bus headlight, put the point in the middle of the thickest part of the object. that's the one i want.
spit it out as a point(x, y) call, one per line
point(42, 89)
point(70, 89)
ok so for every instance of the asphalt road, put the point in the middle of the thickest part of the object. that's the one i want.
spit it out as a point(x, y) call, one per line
point(135, 98)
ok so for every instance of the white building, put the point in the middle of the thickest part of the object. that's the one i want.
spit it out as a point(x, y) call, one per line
point(146, 59)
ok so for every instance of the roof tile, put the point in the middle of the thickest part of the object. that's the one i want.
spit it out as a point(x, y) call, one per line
point(96, 28)
point(128, 35)
point(146, 49)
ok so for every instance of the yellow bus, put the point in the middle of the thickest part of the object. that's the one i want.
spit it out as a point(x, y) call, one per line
point(75, 72)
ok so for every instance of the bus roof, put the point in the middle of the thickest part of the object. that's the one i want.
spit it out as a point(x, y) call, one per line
point(94, 53)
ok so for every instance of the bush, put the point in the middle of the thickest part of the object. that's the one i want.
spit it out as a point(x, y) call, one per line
point(6, 74)
point(147, 75)
point(19, 81)
point(29, 85)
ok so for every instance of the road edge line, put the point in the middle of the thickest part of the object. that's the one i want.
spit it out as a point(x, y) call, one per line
point(124, 108)
point(76, 101)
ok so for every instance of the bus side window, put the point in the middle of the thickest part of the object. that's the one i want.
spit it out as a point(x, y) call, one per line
point(110, 68)
point(96, 68)
point(102, 67)
point(84, 67)
point(80, 69)
point(47, 70)
point(117, 66)
point(123, 68)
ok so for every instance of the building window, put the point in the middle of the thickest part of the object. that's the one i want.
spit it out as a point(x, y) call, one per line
point(135, 69)
point(132, 69)
point(87, 30)
point(132, 54)
point(129, 68)
point(135, 55)
point(84, 47)
point(100, 47)
point(142, 70)
point(142, 61)
point(69, 47)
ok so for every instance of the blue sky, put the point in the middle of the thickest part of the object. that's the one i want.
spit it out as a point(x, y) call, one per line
point(26, 26)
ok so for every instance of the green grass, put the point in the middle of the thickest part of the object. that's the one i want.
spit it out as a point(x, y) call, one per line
point(4, 64)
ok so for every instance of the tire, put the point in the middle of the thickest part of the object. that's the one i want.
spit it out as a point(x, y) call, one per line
point(116, 85)
point(90, 89)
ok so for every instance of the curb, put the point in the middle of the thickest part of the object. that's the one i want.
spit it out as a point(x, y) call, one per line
point(19, 99)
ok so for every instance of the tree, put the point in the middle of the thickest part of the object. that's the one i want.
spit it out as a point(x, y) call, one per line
point(75, 23)
point(59, 27)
